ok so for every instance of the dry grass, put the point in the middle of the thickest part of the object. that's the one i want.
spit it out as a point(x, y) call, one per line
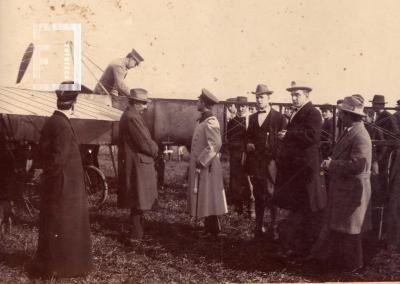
point(172, 252)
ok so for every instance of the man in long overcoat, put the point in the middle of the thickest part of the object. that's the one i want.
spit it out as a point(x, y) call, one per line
point(262, 148)
point(205, 171)
point(64, 246)
point(137, 152)
point(349, 188)
point(299, 188)
point(239, 187)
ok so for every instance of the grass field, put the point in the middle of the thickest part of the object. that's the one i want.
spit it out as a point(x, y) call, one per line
point(171, 251)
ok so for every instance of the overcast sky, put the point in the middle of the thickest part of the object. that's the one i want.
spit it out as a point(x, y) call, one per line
point(336, 47)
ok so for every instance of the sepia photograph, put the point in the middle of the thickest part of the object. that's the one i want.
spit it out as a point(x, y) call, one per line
point(185, 141)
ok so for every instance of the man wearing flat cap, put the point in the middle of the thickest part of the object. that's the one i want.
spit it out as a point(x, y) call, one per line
point(112, 80)
point(206, 194)
point(299, 186)
point(64, 245)
point(137, 152)
point(349, 190)
point(239, 188)
point(261, 150)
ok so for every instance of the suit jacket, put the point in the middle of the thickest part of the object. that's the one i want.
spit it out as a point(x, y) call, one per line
point(350, 187)
point(236, 133)
point(265, 139)
point(136, 154)
point(64, 245)
point(299, 187)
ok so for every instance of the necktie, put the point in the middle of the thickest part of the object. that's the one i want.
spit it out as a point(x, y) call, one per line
point(262, 111)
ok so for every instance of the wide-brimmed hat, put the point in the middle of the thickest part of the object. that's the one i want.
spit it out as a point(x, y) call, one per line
point(353, 104)
point(262, 89)
point(295, 87)
point(208, 96)
point(241, 100)
point(326, 107)
point(139, 95)
point(65, 93)
point(135, 55)
point(378, 99)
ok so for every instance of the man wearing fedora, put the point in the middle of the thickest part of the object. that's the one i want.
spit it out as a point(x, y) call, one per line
point(206, 194)
point(239, 188)
point(299, 186)
point(137, 152)
point(261, 151)
point(112, 80)
point(349, 190)
point(64, 245)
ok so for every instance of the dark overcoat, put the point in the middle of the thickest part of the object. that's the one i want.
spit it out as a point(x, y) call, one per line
point(136, 170)
point(64, 247)
point(350, 187)
point(299, 187)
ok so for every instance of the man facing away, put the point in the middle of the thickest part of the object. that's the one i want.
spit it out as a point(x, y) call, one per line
point(206, 194)
point(137, 151)
point(64, 246)
point(261, 149)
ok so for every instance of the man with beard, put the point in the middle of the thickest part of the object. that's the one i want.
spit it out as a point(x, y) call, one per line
point(299, 186)
point(206, 194)
point(262, 148)
point(136, 154)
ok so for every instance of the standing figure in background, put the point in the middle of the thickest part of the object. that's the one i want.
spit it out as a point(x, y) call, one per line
point(261, 151)
point(137, 151)
point(64, 246)
point(349, 190)
point(239, 193)
point(327, 130)
point(299, 186)
point(205, 172)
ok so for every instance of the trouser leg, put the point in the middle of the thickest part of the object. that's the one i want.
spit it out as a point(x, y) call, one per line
point(136, 224)
point(212, 224)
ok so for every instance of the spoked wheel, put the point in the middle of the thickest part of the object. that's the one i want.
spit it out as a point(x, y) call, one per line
point(31, 199)
point(96, 186)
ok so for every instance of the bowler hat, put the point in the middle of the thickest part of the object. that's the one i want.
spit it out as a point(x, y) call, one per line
point(208, 96)
point(295, 87)
point(378, 99)
point(139, 95)
point(135, 55)
point(262, 89)
point(353, 104)
point(241, 100)
point(340, 101)
point(65, 95)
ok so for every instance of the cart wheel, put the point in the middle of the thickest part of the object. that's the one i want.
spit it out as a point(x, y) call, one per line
point(31, 199)
point(96, 186)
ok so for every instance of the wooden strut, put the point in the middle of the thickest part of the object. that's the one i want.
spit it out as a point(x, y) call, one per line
point(113, 161)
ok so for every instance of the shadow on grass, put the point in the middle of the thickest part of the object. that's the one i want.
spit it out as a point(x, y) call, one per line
point(15, 259)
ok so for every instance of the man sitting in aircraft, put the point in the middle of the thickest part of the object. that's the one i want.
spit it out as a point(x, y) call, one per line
point(112, 80)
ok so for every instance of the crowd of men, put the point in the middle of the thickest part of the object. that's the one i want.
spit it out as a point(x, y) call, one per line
point(277, 162)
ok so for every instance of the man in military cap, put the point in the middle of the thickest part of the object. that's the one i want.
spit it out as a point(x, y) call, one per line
point(327, 130)
point(206, 194)
point(137, 152)
point(299, 187)
point(112, 80)
point(64, 246)
point(261, 150)
point(239, 187)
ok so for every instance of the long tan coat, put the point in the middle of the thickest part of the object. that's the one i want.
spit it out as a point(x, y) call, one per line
point(206, 143)
point(350, 187)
